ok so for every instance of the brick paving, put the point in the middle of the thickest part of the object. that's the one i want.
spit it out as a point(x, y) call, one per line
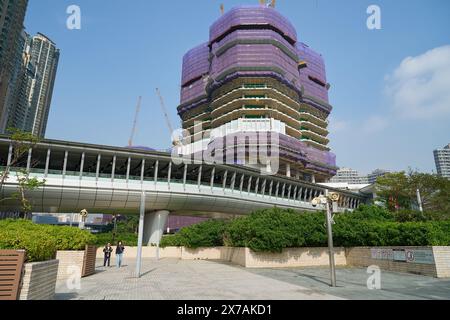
point(174, 279)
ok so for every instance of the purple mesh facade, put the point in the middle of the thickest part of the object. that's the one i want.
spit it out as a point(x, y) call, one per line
point(251, 15)
point(178, 222)
point(229, 52)
point(258, 42)
point(195, 66)
point(287, 148)
point(315, 69)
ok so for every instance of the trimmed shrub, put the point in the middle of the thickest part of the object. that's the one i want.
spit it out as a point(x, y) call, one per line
point(128, 239)
point(206, 234)
point(273, 230)
point(173, 240)
point(38, 246)
point(41, 241)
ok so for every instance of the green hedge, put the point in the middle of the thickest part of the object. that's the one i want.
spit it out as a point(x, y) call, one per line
point(275, 229)
point(205, 234)
point(128, 239)
point(41, 241)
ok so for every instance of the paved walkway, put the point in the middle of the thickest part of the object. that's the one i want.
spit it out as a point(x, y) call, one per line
point(174, 279)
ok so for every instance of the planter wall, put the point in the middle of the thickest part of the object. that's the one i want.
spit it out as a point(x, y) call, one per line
point(429, 261)
point(147, 252)
point(82, 261)
point(11, 267)
point(68, 260)
point(39, 280)
point(294, 257)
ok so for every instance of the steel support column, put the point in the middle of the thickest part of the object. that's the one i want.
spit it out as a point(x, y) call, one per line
point(140, 235)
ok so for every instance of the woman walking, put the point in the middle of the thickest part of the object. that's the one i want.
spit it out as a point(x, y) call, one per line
point(119, 254)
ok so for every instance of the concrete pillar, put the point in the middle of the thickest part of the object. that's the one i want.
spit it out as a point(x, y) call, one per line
point(47, 162)
point(30, 152)
point(313, 178)
point(154, 223)
point(288, 170)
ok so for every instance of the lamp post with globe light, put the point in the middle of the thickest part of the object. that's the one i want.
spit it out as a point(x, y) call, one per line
point(330, 201)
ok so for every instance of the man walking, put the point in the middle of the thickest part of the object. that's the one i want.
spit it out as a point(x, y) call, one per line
point(107, 250)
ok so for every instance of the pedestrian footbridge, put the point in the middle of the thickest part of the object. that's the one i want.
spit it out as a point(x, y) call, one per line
point(126, 180)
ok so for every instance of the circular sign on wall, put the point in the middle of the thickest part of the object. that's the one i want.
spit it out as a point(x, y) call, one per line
point(409, 256)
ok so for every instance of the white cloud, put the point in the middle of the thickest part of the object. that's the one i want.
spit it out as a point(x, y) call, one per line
point(337, 125)
point(375, 124)
point(420, 87)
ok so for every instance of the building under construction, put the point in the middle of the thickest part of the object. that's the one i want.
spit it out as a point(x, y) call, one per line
point(254, 75)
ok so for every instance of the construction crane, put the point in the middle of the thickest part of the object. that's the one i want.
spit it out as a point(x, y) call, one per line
point(175, 142)
point(136, 116)
point(264, 3)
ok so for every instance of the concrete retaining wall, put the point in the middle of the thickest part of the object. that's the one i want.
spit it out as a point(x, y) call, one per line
point(68, 261)
point(39, 281)
point(294, 257)
point(429, 261)
point(442, 258)
point(147, 252)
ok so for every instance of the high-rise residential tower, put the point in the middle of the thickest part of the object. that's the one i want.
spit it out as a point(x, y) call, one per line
point(350, 176)
point(45, 56)
point(254, 75)
point(372, 177)
point(442, 159)
point(12, 15)
point(29, 103)
point(23, 98)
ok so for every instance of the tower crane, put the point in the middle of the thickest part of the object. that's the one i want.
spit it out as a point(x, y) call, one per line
point(264, 3)
point(136, 116)
point(176, 141)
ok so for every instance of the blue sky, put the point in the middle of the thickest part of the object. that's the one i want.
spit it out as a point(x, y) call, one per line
point(390, 87)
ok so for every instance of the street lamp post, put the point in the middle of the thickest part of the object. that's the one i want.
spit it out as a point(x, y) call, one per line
point(330, 242)
point(328, 200)
point(419, 201)
point(83, 215)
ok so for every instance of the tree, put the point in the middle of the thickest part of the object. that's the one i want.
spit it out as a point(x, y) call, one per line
point(399, 191)
point(21, 143)
point(392, 189)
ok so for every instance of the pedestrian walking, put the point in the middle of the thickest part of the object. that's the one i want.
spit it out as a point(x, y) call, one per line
point(119, 254)
point(107, 251)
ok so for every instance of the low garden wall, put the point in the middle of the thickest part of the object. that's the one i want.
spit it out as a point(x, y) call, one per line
point(429, 261)
point(76, 262)
point(68, 260)
point(39, 280)
point(295, 257)
point(147, 252)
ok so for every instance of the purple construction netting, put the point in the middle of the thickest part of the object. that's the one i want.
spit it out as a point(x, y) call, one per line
point(232, 53)
point(288, 148)
point(251, 15)
point(195, 63)
point(178, 222)
point(316, 69)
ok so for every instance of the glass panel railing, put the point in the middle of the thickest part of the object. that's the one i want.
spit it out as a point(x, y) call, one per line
point(55, 172)
point(90, 174)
